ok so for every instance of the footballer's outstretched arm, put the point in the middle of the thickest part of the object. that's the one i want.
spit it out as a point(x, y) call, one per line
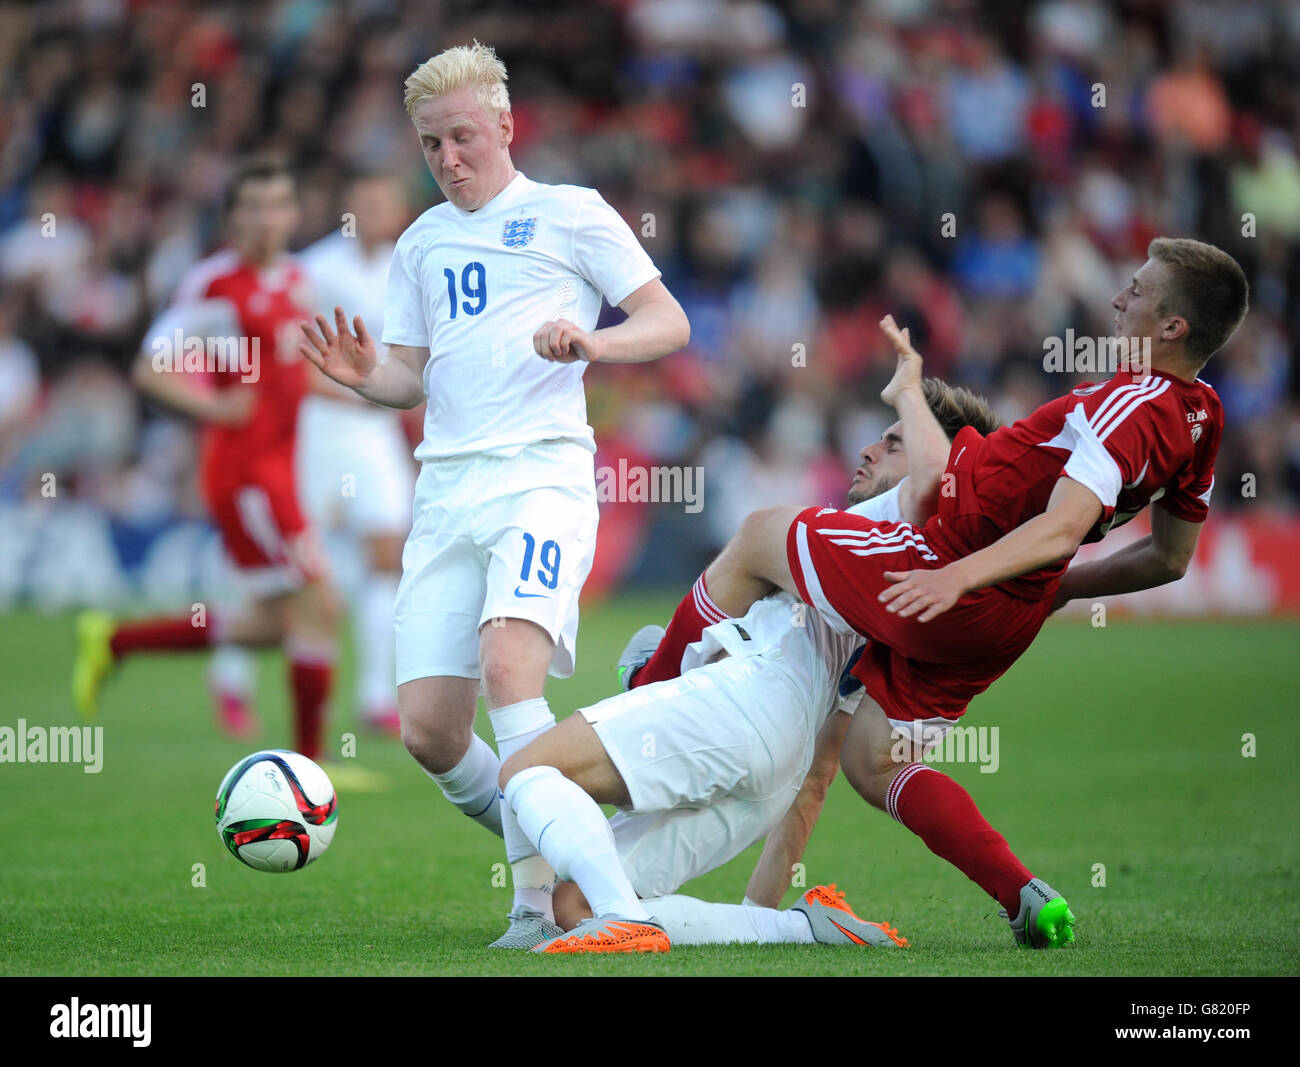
point(926, 444)
point(786, 843)
point(352, 359)
point(1055, 534)
point(1161, 557)
point(655, 326)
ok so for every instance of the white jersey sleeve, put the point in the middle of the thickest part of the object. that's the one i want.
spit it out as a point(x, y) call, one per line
point(883, 507)
point(404, 316)
point(607, 253)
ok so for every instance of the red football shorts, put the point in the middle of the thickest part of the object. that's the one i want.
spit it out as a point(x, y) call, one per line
point(913, 670)
point(255, 506)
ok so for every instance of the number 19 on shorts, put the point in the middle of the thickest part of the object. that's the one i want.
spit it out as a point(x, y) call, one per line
point(547, 572)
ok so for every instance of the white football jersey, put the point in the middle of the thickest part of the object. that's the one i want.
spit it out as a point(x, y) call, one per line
point(343, 275)
point(474, 286)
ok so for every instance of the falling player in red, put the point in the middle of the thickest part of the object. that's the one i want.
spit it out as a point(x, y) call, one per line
point(954, 596)
point(225, 354)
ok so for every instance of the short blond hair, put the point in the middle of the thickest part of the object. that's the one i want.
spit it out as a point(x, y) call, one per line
point(473, 66)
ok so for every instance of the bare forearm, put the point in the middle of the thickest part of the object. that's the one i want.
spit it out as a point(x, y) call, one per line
point(172, 392)
point(394, 383)
point(927, 456)
point(1042, 540)
point(652, 331)
point(786, 843)
point(1140, 565)
point(784, 848)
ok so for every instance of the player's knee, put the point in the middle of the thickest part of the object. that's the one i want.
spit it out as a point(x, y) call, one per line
point(432, 744)
point(867, 772)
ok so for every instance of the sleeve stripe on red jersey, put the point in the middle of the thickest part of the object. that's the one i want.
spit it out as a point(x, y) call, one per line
point(812, 582)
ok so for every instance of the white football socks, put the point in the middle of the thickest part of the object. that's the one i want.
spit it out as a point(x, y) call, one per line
point(232, 670)
point(571, 831)
point(374, 637)
point(689, 921)
point(472, 787)
point(515, 725)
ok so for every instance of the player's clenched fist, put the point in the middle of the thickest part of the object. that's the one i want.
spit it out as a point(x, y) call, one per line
point(562, 342)
point(346, 357)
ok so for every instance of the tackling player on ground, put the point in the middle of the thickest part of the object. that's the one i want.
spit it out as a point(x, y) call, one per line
point(505, 271)
point(951, 604)
point(706, 764)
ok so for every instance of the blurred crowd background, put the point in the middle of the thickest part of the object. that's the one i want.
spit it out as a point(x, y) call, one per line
point(788, 165)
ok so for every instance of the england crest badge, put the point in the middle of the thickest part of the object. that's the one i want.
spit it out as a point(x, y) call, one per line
point(518, 232)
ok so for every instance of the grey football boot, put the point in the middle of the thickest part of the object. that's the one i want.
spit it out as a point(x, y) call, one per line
point(527, 930)
point(637, 652)
point(1044, 920)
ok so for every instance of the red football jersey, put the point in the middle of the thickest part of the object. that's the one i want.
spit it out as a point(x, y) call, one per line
point(261, 307)
point(1132, 440)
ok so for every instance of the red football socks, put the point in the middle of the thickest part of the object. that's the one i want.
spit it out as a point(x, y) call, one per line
point(310, 678)
point(943, 815)
point(159, 635)
point(694, 614)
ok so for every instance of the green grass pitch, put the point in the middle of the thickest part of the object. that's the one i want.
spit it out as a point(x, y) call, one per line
point(1120, 746)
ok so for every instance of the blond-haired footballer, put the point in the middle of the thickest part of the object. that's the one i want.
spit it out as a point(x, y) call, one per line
point(507, 270)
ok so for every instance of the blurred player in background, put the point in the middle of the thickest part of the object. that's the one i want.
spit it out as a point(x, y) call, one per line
point(251, 293)
point(354, 468)
point(505, 514)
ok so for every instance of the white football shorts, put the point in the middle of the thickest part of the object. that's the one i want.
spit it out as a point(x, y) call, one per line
point(712, 760)
point(355, 471)
point(495, 537)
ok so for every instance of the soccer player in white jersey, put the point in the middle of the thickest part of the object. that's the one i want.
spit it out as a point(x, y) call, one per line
point(354, 463)
point(354, 468)
point(505, 515)
point(709, 762)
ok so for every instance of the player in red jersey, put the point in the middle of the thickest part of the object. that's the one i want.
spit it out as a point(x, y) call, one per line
point(954, 596)
point(225, 354)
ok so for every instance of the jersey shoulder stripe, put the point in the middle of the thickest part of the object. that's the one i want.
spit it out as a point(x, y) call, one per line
point(1116, 400)
point(1131, 405)
point(195, 282)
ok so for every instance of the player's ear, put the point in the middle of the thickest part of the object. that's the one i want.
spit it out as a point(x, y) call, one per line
point(506, 125)
point(1174, 328)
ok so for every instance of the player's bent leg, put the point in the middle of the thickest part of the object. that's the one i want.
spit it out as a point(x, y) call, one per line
point(568, 828)
point(438, 720)
point(870, 753)
point(754, 563)
point(573, 749)
point(881, 764)
point(514, 656)
point(312, 618)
